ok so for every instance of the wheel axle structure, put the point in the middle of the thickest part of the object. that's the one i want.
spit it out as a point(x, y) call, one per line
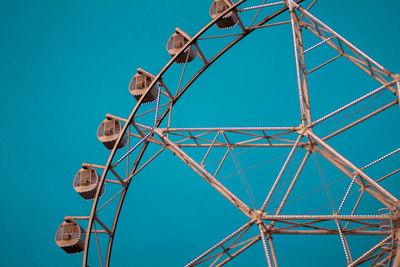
point(134, 142)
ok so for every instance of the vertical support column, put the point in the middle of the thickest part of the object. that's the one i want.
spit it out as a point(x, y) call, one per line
point(300, 65)
point(302, 62)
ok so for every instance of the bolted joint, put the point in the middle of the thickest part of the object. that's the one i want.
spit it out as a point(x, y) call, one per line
point(302, 129)
point(257, 216)
point(310, 147)
point(289, 4)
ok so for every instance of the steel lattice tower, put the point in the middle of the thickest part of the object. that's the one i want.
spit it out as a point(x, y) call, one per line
point(150, 124)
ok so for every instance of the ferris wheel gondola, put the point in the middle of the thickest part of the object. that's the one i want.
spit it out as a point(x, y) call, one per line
point(115, 133)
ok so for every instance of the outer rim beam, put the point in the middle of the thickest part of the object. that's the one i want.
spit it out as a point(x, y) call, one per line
point(120, 203)
point(132, 114)
point(159, 77)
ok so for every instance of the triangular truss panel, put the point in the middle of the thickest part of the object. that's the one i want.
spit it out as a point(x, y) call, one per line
point(305, 180)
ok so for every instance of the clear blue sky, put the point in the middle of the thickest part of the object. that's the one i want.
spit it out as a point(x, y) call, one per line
point(65, 64)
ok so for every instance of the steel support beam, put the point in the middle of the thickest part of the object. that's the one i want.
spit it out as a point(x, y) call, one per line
point(205, 175)
point(372, 183)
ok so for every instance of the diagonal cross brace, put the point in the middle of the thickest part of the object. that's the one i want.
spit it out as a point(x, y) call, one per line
point(345, 169)
point(372, 183)
point(205, 175)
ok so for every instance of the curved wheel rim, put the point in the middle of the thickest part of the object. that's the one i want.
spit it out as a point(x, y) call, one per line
point(164, 69)
point(158, 78)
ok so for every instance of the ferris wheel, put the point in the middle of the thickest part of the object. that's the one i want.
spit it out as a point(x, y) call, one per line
point(360, 199)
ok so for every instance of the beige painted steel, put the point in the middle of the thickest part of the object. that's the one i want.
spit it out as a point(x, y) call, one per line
point(182, 49)
point(396, 261)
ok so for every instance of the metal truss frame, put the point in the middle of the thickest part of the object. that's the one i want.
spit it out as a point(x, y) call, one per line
point(143, 133)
